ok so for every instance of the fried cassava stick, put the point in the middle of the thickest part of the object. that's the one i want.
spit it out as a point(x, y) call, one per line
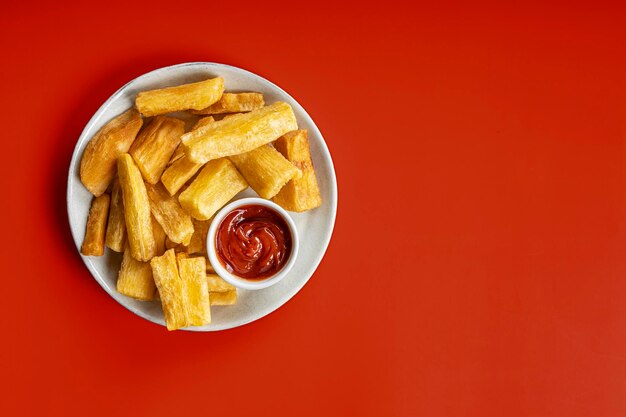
point(171, 291)
point(136, 209)
point(218, 182)
point(116, 228)
point(176, 223)
point(265, 169)
point(93, 244)
point(135, 278)
point(192, 272)
point(99, 161)
point(241, 133)
point(182, 169)
point(301, 193)
point(234, 103)
point(155, 145)
point(194, 96)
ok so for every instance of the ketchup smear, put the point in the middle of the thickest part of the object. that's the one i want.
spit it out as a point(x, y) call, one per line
point(253, 242)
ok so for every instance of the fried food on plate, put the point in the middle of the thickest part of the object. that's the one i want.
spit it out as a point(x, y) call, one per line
point(198, 239)
point(99, 161)
point(203, 121)
point(136, 209)
point(183, 289)
point(221, 293)
point(116, 229)
point(176, 223)
point(217, 284)
point(192, 272)
point(171, 290)
point(177, 174)
point(182, 169)
point(170, 184)
point(155, 145)
point(194, 96)
point(179, 152)
point(135, 278)
point(159, 237)
point(303, 193)
point(215, 185)
point(234, 103)
point(241, 133)
point(93, 244)
point(225, 298)
point(265, 169)
point(178, 256)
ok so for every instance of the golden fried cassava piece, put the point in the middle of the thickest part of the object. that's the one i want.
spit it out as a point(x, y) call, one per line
point(179, 152)
point(159, 237)
point(221, 293)
point(167, 211)
point(136, 209)
point(99, 161)
point(116, 229)
point(194, 96)
point(179, 169)
point(182, 169)
point(198, 239)
point(300, 194)
point(223, 298)
point(265, 169)
point(217, 284)
point(192, 272)
point(135, 278)
point(218, 182)
point(240, 133)
point(204, 121)
point(234, 103)
point(155, 145)
point(179, 256)
point(171, 290)
point(177, 174)
point(93, 244)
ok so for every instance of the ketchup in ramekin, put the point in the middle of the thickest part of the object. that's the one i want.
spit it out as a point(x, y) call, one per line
point(253, 242)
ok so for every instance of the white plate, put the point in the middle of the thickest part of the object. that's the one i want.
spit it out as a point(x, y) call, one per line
point(314, 227)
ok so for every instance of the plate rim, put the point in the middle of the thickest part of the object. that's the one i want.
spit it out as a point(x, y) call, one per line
point(324, 149)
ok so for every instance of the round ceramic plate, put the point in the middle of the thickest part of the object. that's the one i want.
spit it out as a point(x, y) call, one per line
point(314, 227)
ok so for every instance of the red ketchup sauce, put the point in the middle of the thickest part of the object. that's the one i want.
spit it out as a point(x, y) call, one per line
point(253, 242)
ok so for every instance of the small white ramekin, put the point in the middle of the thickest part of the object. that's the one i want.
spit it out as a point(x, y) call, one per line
point(234, 279)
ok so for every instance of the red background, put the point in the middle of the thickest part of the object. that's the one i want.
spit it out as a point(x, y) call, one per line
point(478, 263)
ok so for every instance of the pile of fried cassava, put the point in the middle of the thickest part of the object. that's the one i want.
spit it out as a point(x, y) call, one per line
point(157, 187)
